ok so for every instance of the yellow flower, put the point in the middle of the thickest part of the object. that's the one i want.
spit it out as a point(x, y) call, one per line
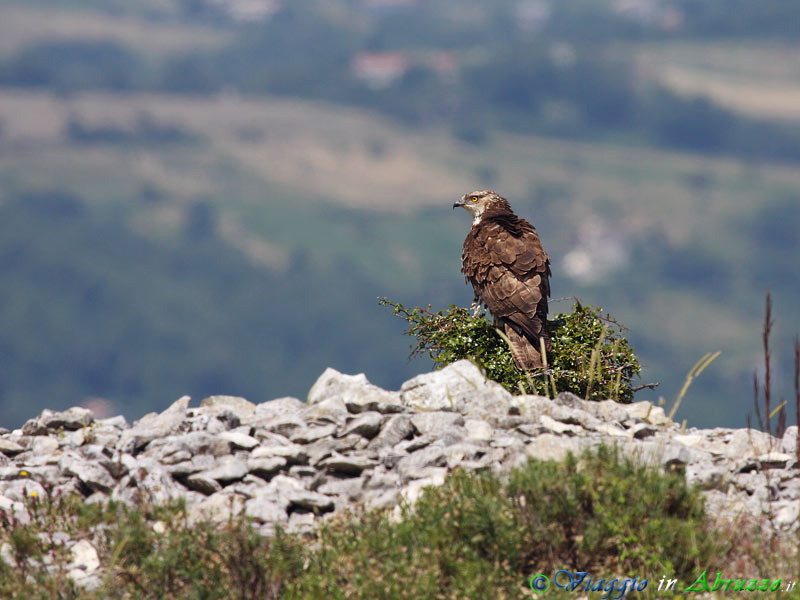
point(24, 473)
point(34, 494)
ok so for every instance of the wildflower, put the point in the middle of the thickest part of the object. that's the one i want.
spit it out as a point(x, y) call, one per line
point(24, 473)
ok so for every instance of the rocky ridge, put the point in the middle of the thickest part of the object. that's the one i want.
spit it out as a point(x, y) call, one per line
point(287, 462)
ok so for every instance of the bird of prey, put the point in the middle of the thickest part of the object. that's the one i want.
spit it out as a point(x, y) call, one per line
point(509, 271)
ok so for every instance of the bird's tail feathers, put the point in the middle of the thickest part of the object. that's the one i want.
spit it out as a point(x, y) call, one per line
point(526, 356)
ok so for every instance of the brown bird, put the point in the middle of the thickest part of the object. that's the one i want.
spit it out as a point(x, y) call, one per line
point(509, 271)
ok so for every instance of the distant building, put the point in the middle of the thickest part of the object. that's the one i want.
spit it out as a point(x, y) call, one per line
point(650, 12)
point(379, 4)
point(247, 10)
point(443, 63)
point(380, 69)
point(532, 15)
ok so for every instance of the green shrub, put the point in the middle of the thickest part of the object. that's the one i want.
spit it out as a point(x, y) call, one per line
point(477, 536)
point(178, 559)
point(589, 358)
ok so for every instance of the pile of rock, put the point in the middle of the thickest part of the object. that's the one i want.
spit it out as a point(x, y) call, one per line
point(286, 462)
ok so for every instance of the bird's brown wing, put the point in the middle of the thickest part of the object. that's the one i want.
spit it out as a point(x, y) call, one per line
point(510, 274)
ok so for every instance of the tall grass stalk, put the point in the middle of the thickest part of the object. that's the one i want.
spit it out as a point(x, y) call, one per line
point(694, 372)
point(595, 362)
point(543, 350)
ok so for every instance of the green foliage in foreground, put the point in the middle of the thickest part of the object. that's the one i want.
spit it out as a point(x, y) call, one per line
point(477, 536)
point(590, 357)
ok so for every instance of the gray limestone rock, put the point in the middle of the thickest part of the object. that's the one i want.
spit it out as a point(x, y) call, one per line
point(286, 463)
point(283, 425)
point(201, 462)
point(10, 447)
point(84, 556)
point(267, 412)
point(459, 387)
point(153, 426)
point(786, 514)
point(608, 429)
point(151, 482)
point(452, 435)
point(776, 460)
point(659, 453)
point(71, 419)
point(227, 469)
point(642, 431)
point(749, 443)
point(434, 422)
point(349, 465)
point(312, 501)
point(458, 454)
point(305, 472)
point(607, 411)
point(645, 411)
point(415, 489)
point(320, 450)
point(201, 482)
point(21, 490)
point(415, 443)
point(307, 435)
point(396, 429)
point(549, 446)
point(530, 407)
point(300, 522)
point(707, 476)
point(118, 422)
point(238, 405)
point(93, 475)
point(352, 441)
point(789, 441)
point(218, 508)
point(239, 439)
point(222, 421)
point(410, 467)
point(350, 487)
point(548, 424)
point(173, 449)
point(266, 467)
point(264, 510)
point(330, 410)
point(295, 454)
point(354, 390)
point(367, 424)
point(478, 430)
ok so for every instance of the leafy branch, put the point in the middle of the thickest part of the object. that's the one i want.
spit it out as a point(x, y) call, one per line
point(589, 357)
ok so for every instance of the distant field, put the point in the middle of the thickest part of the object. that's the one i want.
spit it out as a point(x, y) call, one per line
point(756, 79)
point(339, 184)
point(362, 161)
point(24, 25)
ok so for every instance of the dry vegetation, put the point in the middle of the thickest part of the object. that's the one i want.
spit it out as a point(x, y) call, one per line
point(23, 25)
point(755, 79)
point(361, 160)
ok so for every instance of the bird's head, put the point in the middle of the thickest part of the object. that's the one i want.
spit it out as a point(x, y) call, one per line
point(476, 203)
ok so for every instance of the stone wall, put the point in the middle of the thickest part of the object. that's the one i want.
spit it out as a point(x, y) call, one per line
point(290, 462)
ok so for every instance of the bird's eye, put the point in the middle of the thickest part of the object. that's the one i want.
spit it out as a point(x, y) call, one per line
point(474, 198)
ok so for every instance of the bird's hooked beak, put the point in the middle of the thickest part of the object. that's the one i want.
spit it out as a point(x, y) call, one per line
point(460, 202)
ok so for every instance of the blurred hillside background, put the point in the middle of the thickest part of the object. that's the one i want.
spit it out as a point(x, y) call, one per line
point(207, 196)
